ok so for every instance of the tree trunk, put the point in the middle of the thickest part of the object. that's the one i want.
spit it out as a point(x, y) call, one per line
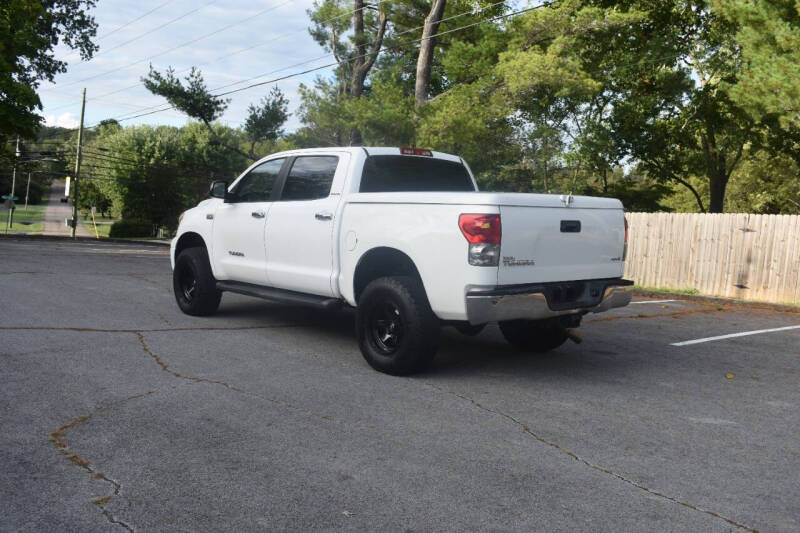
point(717, 169)
point(717, 184)
point(357, 82)
point(355, 137)
point(364, 57)
point(360, 46)
point(426, 46)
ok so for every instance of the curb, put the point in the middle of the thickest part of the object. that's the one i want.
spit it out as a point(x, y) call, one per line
point(86, 239)
point(714, 300)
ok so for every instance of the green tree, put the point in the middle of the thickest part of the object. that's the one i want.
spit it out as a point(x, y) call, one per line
point(332, 20)
point(92, 196)
point(29, 31)
point(767, 35)
point(264, 121)
point(665, 102)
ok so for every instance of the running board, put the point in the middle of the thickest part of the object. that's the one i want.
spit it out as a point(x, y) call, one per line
point(279, 295)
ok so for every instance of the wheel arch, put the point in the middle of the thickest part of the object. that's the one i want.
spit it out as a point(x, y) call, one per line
point(379, 262)
point(189, 239)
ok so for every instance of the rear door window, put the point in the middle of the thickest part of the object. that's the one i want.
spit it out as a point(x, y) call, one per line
point(400, 173)
point(310, 178)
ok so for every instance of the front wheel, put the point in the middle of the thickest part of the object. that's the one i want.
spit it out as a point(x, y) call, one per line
point(534, 336)
point(193, 283)
point(396, 328)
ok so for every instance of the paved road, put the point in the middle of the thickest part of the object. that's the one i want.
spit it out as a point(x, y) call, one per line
point(120, 412)
point(56, 212)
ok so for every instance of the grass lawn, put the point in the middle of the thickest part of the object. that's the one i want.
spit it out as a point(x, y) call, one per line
point(674, 290)
point(103, 224)
point(102, 229)
point(30, 221)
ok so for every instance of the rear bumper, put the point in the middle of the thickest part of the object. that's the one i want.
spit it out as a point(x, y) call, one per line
point(546, 300)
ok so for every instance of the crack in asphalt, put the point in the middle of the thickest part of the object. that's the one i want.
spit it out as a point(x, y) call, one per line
point(165, 367)
point(572, 455)
point(57, 438)
point(282, 403)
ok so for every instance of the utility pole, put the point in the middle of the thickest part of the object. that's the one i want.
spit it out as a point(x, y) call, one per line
point(78, 167)
point(13, 186)
point(28, 190)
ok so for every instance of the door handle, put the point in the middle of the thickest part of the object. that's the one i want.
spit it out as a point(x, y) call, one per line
point(325, 215)
point(258, 214)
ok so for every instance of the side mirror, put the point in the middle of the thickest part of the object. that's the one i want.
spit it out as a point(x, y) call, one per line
point(218, 189)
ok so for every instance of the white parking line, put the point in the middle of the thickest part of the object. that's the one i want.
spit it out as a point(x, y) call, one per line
point(732, 335)
point(653, 302)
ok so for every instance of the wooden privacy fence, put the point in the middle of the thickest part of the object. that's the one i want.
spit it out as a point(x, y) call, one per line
point(752, 257)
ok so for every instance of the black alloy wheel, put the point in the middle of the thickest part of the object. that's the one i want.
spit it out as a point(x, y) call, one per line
point(187, 282)
point(386, 327)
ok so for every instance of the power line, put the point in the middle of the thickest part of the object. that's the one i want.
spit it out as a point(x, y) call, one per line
point(153, 30)
point(182, 45)
point(72, 53)
point(336, 63)
point(137, 19)
point(168, 107)
point(404, 32)
point(235, 52)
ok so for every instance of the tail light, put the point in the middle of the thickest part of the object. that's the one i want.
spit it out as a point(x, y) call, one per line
point(625, 248)
point(483, 233)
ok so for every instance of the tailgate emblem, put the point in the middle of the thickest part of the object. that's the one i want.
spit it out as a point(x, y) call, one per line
point(511, 261)
point(566, 199)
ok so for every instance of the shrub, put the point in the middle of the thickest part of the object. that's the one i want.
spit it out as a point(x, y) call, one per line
point(131, 228)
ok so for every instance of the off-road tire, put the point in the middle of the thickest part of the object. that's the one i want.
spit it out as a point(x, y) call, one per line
point(410, 344)
point(533, 336)
point(193, 283)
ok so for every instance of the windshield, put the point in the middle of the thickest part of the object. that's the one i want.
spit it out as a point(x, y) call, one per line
point(401, 173)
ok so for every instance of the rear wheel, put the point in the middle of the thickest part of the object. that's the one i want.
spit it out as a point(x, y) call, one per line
point(534, 335)
point(193, 283)
point(397, 331)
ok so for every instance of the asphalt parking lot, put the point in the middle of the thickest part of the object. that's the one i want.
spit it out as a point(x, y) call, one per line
point(119, 412)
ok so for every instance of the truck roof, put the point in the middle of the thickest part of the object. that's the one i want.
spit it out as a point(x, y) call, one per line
point(370, 150)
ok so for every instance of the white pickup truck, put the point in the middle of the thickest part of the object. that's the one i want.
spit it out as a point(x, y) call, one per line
point(405, 237)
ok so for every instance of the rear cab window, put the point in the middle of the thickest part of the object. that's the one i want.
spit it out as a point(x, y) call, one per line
point(403, 173)
point(310, 178)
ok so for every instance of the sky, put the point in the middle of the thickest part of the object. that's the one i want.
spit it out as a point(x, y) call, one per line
point(234, 40)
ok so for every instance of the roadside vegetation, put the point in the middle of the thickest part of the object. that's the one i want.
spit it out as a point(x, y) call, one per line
point(690, 106)
point(671, 290)
point(30, 221)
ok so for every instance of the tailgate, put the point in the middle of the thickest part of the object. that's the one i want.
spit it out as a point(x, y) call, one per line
point(543, 244)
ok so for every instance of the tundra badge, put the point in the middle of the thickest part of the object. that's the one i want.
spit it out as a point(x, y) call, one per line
point(511, 261)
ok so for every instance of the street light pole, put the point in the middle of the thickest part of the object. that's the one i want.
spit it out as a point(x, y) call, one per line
point(78, 168)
